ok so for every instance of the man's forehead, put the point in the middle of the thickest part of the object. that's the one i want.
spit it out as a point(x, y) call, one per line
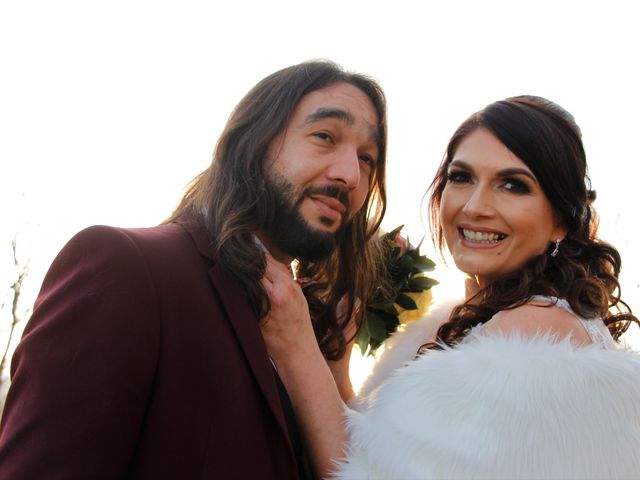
point(338, 95)
point(341, 101)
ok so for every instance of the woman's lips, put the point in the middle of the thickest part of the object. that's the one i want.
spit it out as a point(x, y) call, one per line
point(483, 238)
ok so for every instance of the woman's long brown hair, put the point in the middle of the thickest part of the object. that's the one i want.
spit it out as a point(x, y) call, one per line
point(586, 269)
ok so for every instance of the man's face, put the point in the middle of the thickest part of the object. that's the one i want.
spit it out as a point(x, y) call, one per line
point(319, 169)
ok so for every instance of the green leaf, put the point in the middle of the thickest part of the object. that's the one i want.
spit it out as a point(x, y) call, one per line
point(376, 326)
point(406, 274)
point(406, 302)
point(419, 284)
point(375, 344)
point(424, 264)
point(387, 307)
point(406, 263)
point(391, 321)
point(392, 234)
point(363, 339)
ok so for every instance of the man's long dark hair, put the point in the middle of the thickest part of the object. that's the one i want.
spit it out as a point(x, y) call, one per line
point(234, 197)
point(585, 271)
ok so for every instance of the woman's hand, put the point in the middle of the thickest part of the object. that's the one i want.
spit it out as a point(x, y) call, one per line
point(288, 334)
point(287, 328)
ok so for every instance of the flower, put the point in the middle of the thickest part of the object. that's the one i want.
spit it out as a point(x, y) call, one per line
point(401, 243)
point(423, 300)
point(410, 294)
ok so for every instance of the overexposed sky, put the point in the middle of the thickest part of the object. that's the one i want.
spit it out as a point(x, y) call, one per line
point(108, 108)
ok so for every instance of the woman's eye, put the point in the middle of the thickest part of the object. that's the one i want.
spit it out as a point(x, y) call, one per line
point(516, 186)
point(458, 176)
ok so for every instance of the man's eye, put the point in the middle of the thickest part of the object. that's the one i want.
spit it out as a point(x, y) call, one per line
point(323, 136)
point(368, 160)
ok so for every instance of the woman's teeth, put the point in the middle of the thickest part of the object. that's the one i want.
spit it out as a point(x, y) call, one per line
point(483, 237)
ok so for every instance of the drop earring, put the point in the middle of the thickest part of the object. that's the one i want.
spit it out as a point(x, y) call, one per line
point(557, 248)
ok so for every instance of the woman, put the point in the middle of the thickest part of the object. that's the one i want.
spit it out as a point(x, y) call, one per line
point(522, 379)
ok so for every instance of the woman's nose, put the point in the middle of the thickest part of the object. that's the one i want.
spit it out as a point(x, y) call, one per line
point(480, 203)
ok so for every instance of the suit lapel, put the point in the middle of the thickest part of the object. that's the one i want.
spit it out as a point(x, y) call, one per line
point(242, 319)
point(245, 324)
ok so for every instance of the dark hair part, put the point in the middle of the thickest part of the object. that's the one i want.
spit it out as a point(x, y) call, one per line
point(585, 272)
point(234, 198)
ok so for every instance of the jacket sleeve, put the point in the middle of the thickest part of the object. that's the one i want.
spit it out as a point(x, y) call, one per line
point(84, 369)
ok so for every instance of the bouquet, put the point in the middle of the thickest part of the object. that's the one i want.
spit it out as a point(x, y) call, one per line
point(408, 298)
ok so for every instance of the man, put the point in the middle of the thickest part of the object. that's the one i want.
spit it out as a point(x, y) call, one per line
point(143, 358)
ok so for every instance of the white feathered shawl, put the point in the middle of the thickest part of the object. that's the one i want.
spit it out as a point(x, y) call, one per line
point(501, 408)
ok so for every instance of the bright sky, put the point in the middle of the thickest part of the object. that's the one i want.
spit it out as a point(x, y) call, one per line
point(108, 108)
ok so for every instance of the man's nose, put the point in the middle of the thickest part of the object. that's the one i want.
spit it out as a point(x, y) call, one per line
point(345, 168)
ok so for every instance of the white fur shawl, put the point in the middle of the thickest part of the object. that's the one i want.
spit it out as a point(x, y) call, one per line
point(497, 407)
point(403, 346)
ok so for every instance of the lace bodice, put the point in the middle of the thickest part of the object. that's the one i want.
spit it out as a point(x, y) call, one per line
point(595, 327)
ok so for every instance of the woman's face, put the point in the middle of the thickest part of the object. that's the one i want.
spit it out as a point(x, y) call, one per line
point(494, 214)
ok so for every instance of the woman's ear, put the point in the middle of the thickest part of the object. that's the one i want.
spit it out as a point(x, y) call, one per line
point(559, 233)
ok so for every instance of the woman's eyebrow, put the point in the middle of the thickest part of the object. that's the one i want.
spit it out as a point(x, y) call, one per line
point(460, 164)
point(508, 172)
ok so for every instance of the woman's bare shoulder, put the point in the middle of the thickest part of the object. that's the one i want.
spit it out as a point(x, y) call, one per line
point(538, 318)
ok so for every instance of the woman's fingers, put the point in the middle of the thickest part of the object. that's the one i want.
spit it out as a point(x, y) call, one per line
point(279, 283)
point(275, 272)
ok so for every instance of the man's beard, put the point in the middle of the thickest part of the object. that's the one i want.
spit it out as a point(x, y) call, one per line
point(289, 232)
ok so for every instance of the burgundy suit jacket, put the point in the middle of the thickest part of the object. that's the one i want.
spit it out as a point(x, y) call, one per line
point(143, 360)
